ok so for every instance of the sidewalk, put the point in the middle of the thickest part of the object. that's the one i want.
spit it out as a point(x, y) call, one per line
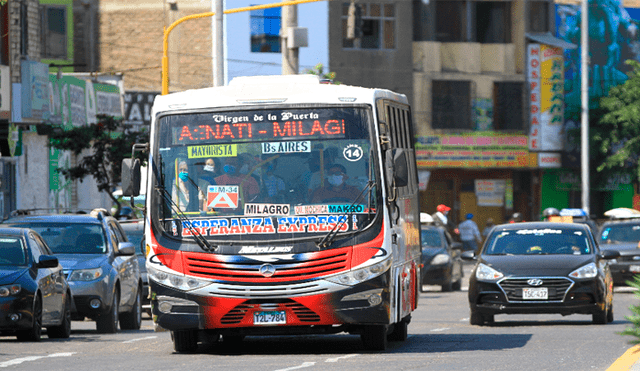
point(630, 360)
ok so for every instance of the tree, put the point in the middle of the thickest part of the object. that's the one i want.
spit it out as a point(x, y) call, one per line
point(617, 134)
point(318, 70)
point(106, 143)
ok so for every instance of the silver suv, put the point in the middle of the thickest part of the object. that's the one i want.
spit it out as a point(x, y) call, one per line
point(99, 263)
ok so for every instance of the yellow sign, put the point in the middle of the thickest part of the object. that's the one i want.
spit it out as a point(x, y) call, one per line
point(213, 150)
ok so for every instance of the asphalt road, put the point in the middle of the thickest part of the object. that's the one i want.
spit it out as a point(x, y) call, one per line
point(440, 338)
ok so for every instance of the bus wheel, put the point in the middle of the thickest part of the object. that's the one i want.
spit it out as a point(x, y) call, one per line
point(400, 331)
point(374, 337)
point(185, 341)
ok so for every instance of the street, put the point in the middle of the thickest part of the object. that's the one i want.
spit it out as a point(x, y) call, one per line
point(440, 338)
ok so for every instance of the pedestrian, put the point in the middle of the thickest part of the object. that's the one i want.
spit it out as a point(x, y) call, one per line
point(487, 228)
point(469, 234)
point(440, 218)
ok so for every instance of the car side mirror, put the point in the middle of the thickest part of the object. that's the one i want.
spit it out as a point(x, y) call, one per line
point(468, 255)
point(609, 254)
point(47, 261)
point(126, 249)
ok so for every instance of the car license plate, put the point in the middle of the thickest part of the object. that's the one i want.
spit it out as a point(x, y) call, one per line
point(634, 268)
point(269, 318)
point(535, 293)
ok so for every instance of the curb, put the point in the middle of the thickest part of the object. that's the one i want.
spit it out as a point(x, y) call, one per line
point(627, 360)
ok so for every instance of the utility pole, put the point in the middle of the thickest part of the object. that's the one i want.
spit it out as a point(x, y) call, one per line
point(217, 38)
point(290, 62)
point(584, 67)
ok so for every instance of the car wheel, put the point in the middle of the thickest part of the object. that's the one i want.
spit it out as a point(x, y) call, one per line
point(107, 323)
point(64, 330)
point(132, 320)
point(185, 341)
point(610, 314)
point(374, 337)
point(457, 286)
point(35, 332)
point(600, 317)
point(447, 286)
point(476, 319)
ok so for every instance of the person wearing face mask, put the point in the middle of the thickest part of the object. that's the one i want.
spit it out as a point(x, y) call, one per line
point(232, 176)
point(184, 191)
point(336, 188)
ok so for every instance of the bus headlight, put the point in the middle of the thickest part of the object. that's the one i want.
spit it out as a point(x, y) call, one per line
point(179, 282)
point(354, 277)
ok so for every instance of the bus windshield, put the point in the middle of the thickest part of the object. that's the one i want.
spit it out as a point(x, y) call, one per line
point(278, 170)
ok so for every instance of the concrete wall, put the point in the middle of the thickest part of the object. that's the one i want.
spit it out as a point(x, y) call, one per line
point(33, 172)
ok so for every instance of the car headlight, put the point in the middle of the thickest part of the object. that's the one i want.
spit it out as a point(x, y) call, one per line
point(587, 271)
point(363, 274)
point(440, 259)
point(486, 273)
point(180, 282)
point(85, 274)
point(9, 290)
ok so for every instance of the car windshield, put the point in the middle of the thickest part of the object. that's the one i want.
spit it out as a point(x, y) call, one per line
point(267, 171)
point(620, 233)
point(12, 251)
point(66, 238)
point(545, 241)
point(431, 238)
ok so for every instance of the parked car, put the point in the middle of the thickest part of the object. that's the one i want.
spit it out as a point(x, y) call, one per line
point(622, 235)
point(33, 291)
point(541, 267)
point(134, 229)
point(441, 262)
point(99, 263)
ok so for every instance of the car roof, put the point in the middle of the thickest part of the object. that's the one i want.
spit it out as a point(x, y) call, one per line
point(54, 218)
point(13, 231)
point(635, 221)
point(540, 225)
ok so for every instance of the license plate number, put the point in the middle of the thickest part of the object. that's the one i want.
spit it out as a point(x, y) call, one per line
point(269, 318)
point(634, 268)
point(537, 293)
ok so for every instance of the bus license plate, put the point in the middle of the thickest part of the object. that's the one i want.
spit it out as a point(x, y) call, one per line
point(269, 318)
point(535, 293)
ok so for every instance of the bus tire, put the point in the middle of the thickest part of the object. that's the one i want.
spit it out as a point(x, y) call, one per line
point(185, 341)
point(374, 337)
point(400, 331)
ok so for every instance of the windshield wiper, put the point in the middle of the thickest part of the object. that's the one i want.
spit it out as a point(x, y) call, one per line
point(202, 242)
point(329, 237)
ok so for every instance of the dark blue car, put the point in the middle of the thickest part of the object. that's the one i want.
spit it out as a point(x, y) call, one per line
point(33, 290)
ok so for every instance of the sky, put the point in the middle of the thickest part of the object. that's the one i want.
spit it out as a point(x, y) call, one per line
point(242, 62)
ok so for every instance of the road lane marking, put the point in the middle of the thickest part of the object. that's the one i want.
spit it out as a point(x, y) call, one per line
point(17, 361)
point(306, 364)
point(339, 358)
point(440, 329)
point(139, 339)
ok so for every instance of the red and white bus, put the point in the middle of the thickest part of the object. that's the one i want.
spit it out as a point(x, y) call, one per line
point(278, 205)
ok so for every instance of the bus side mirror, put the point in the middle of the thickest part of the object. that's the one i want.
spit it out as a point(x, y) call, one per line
point(130, 177)
point(397, 168)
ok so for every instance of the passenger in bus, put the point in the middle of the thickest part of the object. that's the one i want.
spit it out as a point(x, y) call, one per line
point(273, 184)
point(184, 191)
point(248, 185)
point(336, 189)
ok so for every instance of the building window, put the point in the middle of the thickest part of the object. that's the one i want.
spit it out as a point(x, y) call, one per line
point(493, 22)
point(508, 106)
point(265, 30)
point(54, 31)
point(24, 28)
point(373, 26)
point(473, 21)
point(538, 16)
point(451, 104)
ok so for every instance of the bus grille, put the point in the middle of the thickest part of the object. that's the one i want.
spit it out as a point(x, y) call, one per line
point(557, 287)
point(237, 314)
point(288, 268)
